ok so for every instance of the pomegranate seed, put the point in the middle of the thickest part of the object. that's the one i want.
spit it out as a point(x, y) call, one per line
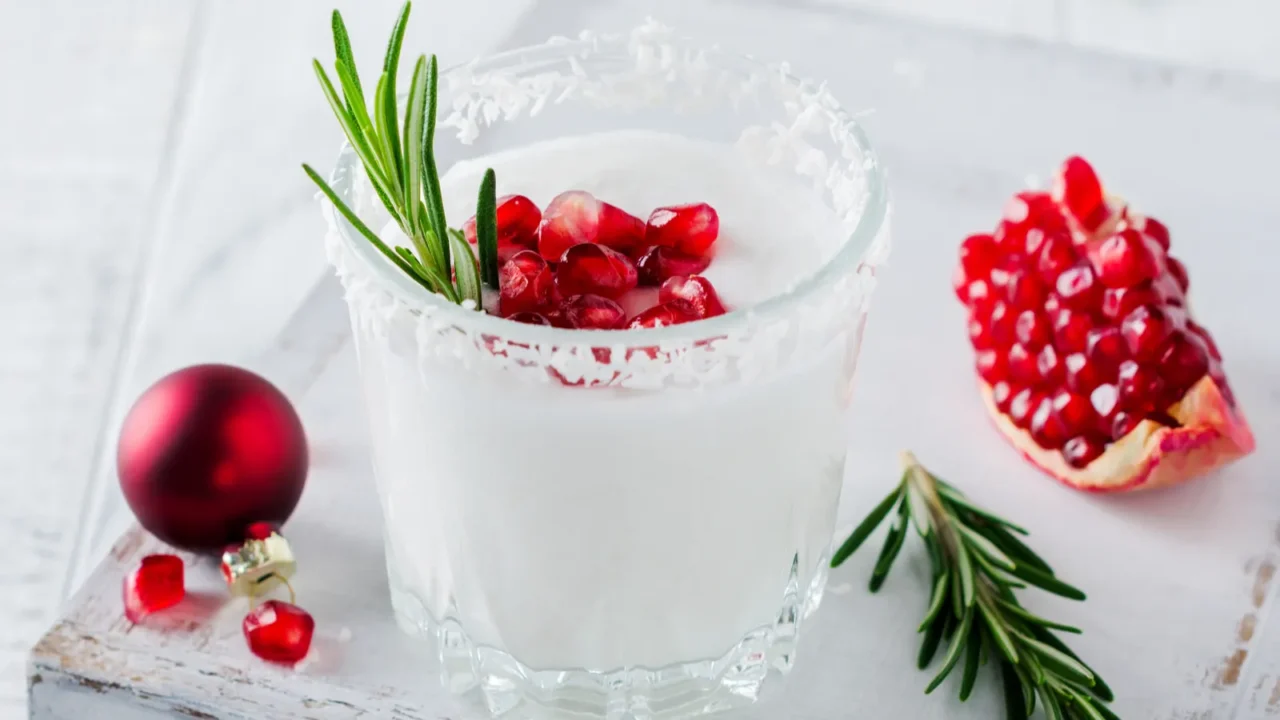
point(1106, 349)
point(518, 220)
point(529, 318)
point(590, 312)
point(1078, 288)
point(1209, 344)
point(959, 282)
point(157, 583)
point(979, 336)
point(673, 312)
point(1124, 424)
point(1157, 231)
point(525, 284)
point(1082, 375)
point(1049, 366)
point(1081, 450)
point(1105, 400)
point(1046, 428)
point(571, 218)
point(1076, 187)
point(697, 291)
point(659, 264)
point(1075, 413)
point(1145, 330)
point(980, 297)
point(595, 269)
point(620, 230)
point(992, 365)
point(1022, 365)
point(691, 229)
point(1022, 406)
point(1001, 324)
point(1024, 290)
point(1179, 273)
point(1118, 302)
point(279, 632)
point(1031, 329)
point(1056, 255)
point(1071, 330)
point(1183, 362)
point(978, 254)
point(1139, 388)
point(1123, 260)
point(1026, 210)
point(1002, 395)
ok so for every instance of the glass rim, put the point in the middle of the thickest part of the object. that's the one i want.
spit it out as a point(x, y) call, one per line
point(405, 290)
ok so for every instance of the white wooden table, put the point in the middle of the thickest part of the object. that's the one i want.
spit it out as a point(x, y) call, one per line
point(159, 219)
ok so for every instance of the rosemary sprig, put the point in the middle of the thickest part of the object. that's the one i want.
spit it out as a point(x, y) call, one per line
point(977, 563)
point(399, 158)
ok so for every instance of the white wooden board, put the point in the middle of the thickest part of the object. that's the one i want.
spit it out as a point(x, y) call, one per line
point(1182, 586)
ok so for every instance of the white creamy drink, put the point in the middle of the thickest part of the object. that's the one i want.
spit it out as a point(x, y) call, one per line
point(604, 528)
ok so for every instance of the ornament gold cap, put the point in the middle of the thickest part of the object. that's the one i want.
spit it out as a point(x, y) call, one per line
point(258, 565)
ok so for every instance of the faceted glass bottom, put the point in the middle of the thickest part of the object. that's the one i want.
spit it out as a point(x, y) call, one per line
point(495, 683)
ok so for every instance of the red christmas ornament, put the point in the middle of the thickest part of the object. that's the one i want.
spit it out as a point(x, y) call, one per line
point(208, 451)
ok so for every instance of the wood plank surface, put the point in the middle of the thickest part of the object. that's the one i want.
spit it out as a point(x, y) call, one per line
point(1181, 616)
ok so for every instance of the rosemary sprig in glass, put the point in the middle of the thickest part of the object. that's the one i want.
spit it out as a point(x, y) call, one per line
point(978, 561)
point(399, 159)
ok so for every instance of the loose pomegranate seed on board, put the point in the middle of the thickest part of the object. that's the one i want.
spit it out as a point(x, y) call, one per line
point(156, 584)
point(279, 632)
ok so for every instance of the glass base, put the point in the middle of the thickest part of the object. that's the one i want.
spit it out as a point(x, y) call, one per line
point(494, 682)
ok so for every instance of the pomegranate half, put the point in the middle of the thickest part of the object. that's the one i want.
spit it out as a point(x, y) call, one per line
point(1090, 361)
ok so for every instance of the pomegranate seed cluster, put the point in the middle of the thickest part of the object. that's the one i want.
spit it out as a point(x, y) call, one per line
point(1079, 318)
point(569, 264)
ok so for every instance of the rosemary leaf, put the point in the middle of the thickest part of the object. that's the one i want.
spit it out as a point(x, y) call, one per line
point(998, 632)
point(932, 637)
point(864, 529)
point(919, 510)
point(987, 548)
point(965, 568)
point(954, 497)
point(487, 229)
point(1014, 701)
point(431, 175)
point(390, 115)
point(1021, 612)
point(971, 662)
point(953, 651)
point(466, 269)
point(1085, 706)
point(1100, 687)
point(1014, 548)
point(347, 75)
point(1048, 701)
point(1047, 582)
point(370, 235)
point(892, 545)
point(939, 597)
point(412, 144)
point(1062, 663)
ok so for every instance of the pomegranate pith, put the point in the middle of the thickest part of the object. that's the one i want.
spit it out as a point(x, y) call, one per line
point(1090, 361)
